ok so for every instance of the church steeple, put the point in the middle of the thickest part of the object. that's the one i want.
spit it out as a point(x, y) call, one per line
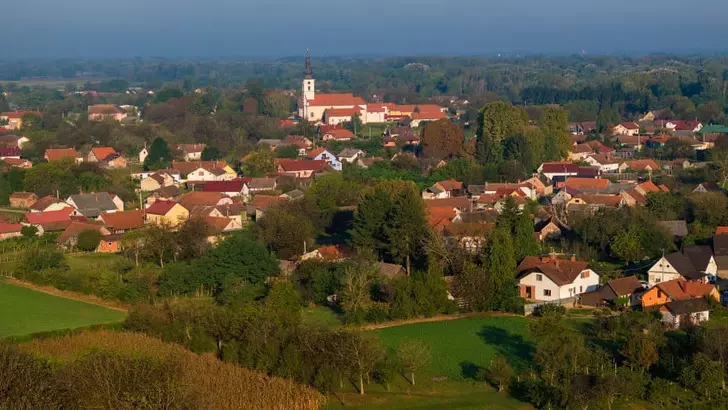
point(308, 86)
point(308, 73)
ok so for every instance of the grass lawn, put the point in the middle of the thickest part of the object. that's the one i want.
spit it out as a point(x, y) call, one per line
point(92, 261)
point(25, 311)
point(460, 347)
point(427, 396)
point(321, 315)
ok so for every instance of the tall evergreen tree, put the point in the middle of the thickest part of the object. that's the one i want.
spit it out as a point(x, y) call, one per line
point(500, 265)
point(159, 154)
point(405, 228)
point(369, 220)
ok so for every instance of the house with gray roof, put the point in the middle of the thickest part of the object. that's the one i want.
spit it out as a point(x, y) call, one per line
point(93, 204)
point(350, 155)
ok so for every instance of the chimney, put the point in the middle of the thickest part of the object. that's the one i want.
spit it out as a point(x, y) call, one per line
point(545, 258)
point(573, 258)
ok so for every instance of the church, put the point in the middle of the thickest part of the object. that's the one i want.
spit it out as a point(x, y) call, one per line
point(334, 109)
point(313, 107)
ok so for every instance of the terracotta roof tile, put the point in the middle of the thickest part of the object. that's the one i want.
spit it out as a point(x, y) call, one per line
point(123, 220)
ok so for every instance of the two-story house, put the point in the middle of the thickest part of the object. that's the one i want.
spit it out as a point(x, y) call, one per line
point(549, 278)
point(693, 263)
point(322, 154)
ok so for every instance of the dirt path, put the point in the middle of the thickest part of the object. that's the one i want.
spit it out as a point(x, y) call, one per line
point(438, 318)
point(80, 297)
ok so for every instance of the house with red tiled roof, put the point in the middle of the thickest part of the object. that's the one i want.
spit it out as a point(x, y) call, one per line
point(23, 200)
point(69, 238)
point(418, 118)
point(301, 168)
point(58, 154)
point(107, 157)
point(335, 116)
point(261, 203)
point(49, 203)
point(587, 184)
point(322, 154)
point(15, 118)
point(101, 112)
point(238, 187)
point(331, 253)
point(443, 189)
point(640, 165)
point(626, 128)
point(201, 198)
point(338, 134)
point(188, 152)
point(167, 212)
point(596, 200)
point(604, 162)
point(51, 221)
point(677, 289)
point(550, 278)
point(8, 230)
point(122, 221)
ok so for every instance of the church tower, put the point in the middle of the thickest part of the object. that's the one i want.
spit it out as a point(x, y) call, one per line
point(309, 83)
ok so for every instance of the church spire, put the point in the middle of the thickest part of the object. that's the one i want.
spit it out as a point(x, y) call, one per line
point(308, 73)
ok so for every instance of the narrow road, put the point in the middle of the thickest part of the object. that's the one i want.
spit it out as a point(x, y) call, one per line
point(438, 318)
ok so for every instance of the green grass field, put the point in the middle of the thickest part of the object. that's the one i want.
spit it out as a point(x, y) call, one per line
point(460, 346)
point(25, 311)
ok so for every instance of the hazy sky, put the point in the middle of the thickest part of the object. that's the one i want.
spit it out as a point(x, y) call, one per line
point(271, 28)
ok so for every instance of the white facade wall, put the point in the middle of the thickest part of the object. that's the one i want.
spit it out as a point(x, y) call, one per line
point(579, 286)
point(662, 271)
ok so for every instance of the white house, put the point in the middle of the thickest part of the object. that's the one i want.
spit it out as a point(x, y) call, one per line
point(322, 154)
point(203, 174)
point(350, 155)
point(549, 278)
point(683, 312)
point(604, 162)
point(693, 262)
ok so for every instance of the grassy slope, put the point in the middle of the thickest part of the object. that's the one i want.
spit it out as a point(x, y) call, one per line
point(26, 311)
point(460, 346)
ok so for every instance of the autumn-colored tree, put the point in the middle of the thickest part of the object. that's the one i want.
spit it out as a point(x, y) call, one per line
point(442, 139)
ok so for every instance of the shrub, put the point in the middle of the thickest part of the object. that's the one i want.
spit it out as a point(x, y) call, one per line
point(29, 231)
point(550, 309)
point(377, 313)
point(40, 259)
point(89, 240)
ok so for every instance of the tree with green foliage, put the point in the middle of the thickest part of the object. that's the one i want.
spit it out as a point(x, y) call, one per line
point(498, 120)
point(640, 351)
point(258, 163)
point(40, 259)
point(554, 123)
point(51, 178)
point(168, 92)
point(88, 240)
point(285, 231)
point(499, 373)
point(355, 124)
point(159, 155)
point(276, 105)
point(627, 245)
point(413, 356)
point(211, 154)
point(703, 375)
point(287, 151)
point(29, 231)
point(369, 220)
point(442, 139)
point(500, 263)
point(473, 287)
point(405, 225)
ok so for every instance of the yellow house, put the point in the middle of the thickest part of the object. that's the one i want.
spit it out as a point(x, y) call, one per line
point(166, 212)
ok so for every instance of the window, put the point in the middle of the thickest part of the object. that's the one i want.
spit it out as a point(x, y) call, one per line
point(539, 278)
point(309, 87)
point(585, 274)
point(581, 289)
point(659, 293)
point(201, 173)
point(547, 292)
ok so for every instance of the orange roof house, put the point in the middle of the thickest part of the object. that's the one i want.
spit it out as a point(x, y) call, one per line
point(57, 154)
point(100, 154)
point(587, 183)
point(677, 289)
point(122, 221)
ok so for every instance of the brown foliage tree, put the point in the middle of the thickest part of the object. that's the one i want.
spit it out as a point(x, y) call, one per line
point(442, 139)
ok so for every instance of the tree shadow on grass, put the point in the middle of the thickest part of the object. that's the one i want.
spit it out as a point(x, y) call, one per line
point(469, 369)
point(514, 348)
